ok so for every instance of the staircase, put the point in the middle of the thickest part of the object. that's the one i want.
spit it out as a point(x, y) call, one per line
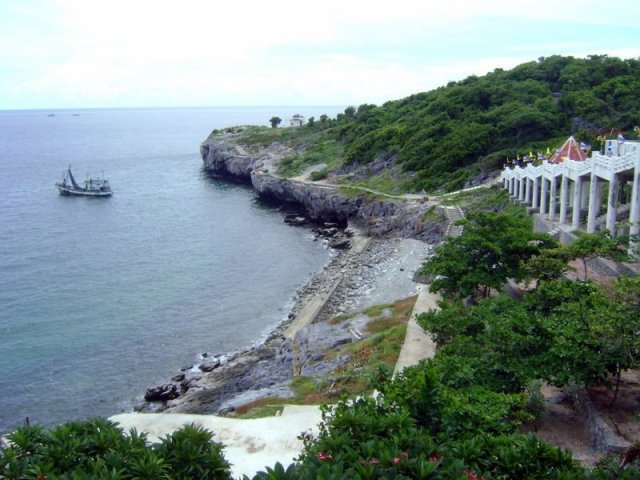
point(453, 214)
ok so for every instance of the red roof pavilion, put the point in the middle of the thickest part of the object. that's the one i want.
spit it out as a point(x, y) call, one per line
point(570, 150)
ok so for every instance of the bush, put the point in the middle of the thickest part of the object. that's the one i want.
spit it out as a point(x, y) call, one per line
point(98, 449)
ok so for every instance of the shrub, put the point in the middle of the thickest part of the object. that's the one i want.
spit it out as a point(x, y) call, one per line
point(98, 449)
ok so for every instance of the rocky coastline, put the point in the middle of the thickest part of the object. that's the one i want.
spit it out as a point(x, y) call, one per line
point(379, 245)
point(374, 215)
point(353, 280)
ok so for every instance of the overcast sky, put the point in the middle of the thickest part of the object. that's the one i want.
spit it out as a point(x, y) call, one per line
point(119, 53)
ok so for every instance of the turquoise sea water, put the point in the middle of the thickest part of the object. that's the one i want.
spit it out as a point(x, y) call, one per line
point(101, 298)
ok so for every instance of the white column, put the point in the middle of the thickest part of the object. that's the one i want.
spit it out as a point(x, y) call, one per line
point(512, 183)
point(543, 196)
point(552, 199)
point(536, 193)
point(564, 198)
point(598, 197)
point(612, 204)
point(593, 204)
point(634, 214)
point(527, 191)
point(577, 202)
point(572, 187)
point(521, 189)
point(584, 200)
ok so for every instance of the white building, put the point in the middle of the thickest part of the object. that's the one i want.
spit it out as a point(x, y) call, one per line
point(296, 121)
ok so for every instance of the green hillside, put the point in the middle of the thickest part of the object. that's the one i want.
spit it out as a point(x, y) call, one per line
point(443, 137)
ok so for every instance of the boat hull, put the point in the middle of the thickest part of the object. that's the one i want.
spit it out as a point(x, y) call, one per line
point(65, 190)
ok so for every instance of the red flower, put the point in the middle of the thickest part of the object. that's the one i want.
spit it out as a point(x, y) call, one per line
point(374, 461)
point(396, 460)
point(322, 457)
point(471, 475)
point(435, 458)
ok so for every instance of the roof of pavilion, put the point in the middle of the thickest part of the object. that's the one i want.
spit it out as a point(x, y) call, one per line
point(570, 150)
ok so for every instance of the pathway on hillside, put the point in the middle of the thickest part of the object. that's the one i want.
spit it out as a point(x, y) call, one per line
point(418, 344)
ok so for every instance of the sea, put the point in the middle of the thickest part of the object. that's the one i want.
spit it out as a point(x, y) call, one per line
point(101, 298)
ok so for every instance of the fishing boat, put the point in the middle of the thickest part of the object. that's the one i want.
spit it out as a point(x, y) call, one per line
point(93, 187)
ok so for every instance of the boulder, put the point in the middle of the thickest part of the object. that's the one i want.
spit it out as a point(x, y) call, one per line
point(341, 243)
point(162, 393)
point(209, 365)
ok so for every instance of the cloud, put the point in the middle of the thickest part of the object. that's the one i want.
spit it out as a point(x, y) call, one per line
point(117, 53)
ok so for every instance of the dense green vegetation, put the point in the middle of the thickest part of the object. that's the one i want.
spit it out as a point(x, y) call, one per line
point(481, 121)
point(97, 449)
point(443, 137)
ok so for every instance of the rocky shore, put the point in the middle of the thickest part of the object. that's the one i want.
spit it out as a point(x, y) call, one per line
point(381, 273)
point(376, 258)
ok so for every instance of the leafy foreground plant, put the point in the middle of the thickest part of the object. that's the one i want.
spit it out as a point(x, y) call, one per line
point(98, 449)
point(375, 439)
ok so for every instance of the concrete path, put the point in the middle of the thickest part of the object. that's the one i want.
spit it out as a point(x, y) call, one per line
point(313, 308)
point(417, 344)
point(250, 445)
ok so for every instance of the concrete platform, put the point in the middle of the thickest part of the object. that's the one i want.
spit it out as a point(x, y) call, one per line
point(250, 445)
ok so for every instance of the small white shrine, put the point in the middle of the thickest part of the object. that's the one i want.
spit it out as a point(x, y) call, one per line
point(296, 121)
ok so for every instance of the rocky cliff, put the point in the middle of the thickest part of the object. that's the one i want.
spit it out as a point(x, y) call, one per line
point(375, 215)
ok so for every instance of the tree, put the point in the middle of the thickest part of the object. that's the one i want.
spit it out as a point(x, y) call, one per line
point(350, 113)
point(548, 265)
point(580, 353)
point(311, 122)
point(323, 119)
point(275, 121)
point(622, 324)
point(589, 246)
point(492, 248)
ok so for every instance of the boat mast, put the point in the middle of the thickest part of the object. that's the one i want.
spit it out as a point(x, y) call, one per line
point(73, 180)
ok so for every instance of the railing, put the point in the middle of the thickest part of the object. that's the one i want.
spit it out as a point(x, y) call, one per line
point(579, 168)
point(614, 164)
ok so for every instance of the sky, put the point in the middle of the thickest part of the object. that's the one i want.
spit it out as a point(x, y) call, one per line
point(142, 53)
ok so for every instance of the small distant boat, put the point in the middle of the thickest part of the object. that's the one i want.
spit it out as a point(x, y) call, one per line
point(93, 187)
